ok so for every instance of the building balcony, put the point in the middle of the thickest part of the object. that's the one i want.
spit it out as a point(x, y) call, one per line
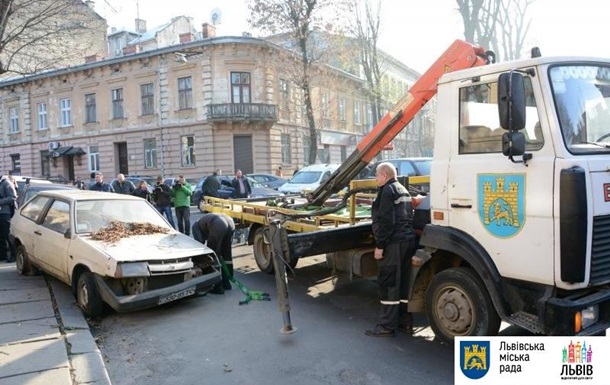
point(242, 112)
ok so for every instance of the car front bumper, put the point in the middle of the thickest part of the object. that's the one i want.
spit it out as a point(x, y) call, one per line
point(156, 297)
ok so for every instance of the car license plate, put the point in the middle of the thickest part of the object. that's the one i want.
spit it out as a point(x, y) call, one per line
point(177, 295)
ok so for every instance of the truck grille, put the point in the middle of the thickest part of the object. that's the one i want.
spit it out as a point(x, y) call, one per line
point(600, 250)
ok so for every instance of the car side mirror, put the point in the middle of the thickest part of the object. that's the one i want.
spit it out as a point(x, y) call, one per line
point(68, 234)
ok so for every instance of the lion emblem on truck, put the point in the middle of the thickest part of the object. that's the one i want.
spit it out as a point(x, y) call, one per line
point(501, 199)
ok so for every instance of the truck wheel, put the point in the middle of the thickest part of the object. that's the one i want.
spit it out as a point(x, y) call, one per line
point(23, 264)
point(262, 252)
point(457, 304)
point(87, 295)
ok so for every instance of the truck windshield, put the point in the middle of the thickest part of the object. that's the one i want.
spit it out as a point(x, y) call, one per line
point(582, 100)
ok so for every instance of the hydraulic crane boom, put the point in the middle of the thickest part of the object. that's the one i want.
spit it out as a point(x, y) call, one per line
point(459, 55)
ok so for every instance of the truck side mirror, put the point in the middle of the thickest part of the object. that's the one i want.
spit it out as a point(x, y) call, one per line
point(511, 101)
point(513, 143)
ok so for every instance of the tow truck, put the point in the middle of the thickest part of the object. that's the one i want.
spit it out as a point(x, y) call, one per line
point(516, 227)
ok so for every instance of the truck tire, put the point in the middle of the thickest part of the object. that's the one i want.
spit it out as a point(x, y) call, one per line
point(457, 304)
point(262, 252)
point(87, 295)
point(23, 263)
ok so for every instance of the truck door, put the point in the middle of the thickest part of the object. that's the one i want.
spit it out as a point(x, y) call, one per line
point(505, 206)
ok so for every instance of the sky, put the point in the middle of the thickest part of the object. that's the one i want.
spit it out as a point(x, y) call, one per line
point(415, 32)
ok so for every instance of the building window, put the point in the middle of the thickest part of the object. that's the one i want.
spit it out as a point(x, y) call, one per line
point(188, 151)
point(342, 109)
point(369, 117)
point(357, 112)
point(16, 164)
point(65, 107)
point(185, 93)
point(42, 116)
point(13, 116)
point(240, 87)
point(45, 162)
point(286, 154)
point(148, 99)
point(306, 147)
point(94, 158)
point(284, 99)
point(117, 104)
point(325, 105)
point(90, 109)
point(150, 153)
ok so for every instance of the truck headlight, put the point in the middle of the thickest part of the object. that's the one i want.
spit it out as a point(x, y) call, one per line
point(586, 317)
point(134, 269)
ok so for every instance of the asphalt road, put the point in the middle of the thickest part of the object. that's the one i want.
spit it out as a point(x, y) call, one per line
point(213, 340)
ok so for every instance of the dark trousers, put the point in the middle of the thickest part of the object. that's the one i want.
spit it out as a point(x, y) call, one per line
point(393, 282)
point(220, 242)
point(183, 215)
point(5, 244)
point(167, 211)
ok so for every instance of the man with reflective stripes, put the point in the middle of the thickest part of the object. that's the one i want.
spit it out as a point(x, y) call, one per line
point(392, 215)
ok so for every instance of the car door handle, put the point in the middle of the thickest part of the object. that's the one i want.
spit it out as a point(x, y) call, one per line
point(37, 232)
point(459, 206)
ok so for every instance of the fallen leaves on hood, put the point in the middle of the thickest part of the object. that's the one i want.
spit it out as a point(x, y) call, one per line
point(117, 230)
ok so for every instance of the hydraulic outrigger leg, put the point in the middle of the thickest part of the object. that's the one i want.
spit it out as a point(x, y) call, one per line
point(278, 240)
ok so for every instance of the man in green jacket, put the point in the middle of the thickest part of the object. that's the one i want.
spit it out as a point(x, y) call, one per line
point(181, 192)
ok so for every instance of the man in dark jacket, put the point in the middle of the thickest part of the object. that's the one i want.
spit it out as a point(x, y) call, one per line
point(100, 185)
point(210, 187)
point(217, 229)
point(162, 196)
point(8, 197)
point(392, 215)
point(241, 186)
point(123, 186)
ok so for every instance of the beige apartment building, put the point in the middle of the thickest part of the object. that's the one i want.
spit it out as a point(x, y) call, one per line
point(190, 108)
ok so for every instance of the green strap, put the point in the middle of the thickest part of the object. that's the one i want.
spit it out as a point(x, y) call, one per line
point(251, 295)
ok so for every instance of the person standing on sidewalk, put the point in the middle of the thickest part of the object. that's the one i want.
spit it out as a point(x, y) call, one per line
point(392, 215)
point(182, 192)
point(162, 196)
point(100, 185)
point(217, 229)
point(8, 199)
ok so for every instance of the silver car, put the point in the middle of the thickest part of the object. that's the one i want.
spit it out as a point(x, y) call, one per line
point(66, 233)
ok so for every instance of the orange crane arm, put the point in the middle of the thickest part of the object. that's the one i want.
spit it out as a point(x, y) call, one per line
point(459, 55)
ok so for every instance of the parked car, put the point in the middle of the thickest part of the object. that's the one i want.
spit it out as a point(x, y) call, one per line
point(268, 180)
point(23, 180)
point(54, 232)
point(308, 178)
point(33, 187)
point(226, 191)
point(405, 166)
point(135, 179)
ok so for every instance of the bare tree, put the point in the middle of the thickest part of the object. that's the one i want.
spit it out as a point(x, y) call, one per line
point(297, 19)
point(366, 31)
point(500, 25)
point(38, 35)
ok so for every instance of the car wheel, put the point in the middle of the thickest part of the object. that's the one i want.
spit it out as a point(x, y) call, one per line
point(24, 266)
point(457, 304)
point(87, 295)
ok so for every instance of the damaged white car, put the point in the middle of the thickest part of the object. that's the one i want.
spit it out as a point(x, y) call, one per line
point(110, 248)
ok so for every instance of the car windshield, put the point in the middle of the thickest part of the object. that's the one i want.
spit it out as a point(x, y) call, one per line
point(582, 99)
point(253, 182)
point(305, 177)
point(96, 214)
point(423, 166)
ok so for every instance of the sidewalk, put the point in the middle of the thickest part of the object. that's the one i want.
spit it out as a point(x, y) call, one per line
point(41, 343)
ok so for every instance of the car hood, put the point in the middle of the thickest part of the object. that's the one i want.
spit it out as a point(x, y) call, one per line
point(150, 247)
point(297, 187)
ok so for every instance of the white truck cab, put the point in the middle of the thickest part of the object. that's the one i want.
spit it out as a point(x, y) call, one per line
point(519, 209)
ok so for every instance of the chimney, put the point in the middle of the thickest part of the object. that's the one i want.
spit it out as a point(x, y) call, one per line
point(130, 49)
point(140, 26)
point(92, 58)
point(208, 31)
point(112, 30)
point(186, 37)
point(90, 3)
